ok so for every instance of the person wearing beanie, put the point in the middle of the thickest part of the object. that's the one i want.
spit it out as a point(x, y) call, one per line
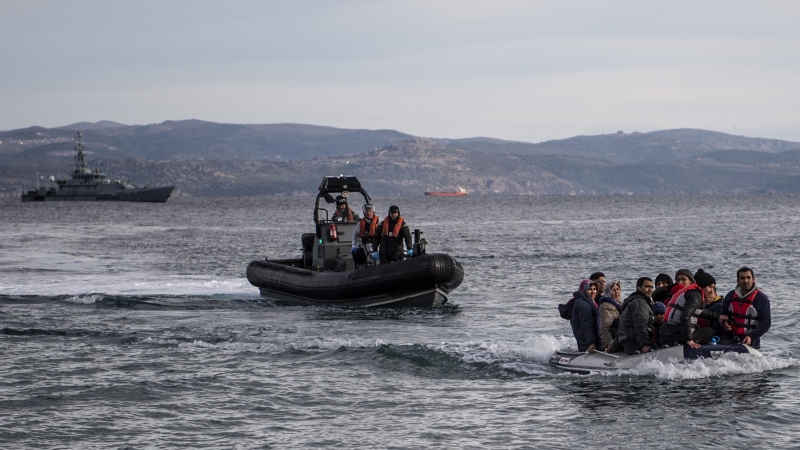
point(683, 311)
point(658, 313)
point(684, 277)
point(393, 233)
point(636, 321)
point(584, 318)
point(664, 287)
point(663, 280)
point(749, 310)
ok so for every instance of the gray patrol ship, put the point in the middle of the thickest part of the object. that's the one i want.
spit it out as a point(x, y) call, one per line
point(88, 184)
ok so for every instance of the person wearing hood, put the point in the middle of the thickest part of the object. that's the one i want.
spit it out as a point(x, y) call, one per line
point(749, 310)
point(636, 321)
point(658, 311)
point(584, 318)
point(712, 302)
point(608, 308)
point(683, 310)
point(683, 278)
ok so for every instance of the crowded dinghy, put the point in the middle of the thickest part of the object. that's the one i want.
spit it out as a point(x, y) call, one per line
point(584, 363)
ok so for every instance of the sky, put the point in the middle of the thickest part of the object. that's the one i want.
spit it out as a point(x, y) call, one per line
point(518, 70)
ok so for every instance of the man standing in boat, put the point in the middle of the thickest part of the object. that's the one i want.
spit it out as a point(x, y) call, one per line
point(343, 212)
point(366, 234)
point(394, 232)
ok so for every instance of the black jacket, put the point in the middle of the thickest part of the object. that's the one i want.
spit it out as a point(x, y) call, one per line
point(390, 248)
point(683, 331)
point(585, 322)
point(636, 321)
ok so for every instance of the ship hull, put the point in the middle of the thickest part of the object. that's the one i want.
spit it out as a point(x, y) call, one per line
point(446, 194)
point(153, 195)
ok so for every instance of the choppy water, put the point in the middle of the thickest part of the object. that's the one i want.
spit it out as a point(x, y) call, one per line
point(133, 325)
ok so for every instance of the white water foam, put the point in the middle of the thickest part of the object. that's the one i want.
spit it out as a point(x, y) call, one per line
point(129, 284)
point(84, 299)
point(727, 365)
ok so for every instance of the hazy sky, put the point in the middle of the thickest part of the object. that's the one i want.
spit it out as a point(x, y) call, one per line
point(519, 70)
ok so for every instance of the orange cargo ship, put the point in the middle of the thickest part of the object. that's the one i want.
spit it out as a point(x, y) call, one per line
point(458, 193)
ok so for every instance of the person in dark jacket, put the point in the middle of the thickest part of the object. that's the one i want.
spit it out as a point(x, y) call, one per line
point(636, 321)
point(683, 310)
point(683, 278)
point(599, 279)
point(712, 302)
point(584, 318)
point(749, 310)
point(663, 280)
point(658, 311)
point(394, 232)
point(343, 212)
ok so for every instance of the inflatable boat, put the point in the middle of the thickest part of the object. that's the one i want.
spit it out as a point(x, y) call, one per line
point(329, 274)
point(582, 362)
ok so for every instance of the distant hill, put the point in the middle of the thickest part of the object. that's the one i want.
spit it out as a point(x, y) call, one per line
point(412, 166)
point(189, 139)
point(675, 145)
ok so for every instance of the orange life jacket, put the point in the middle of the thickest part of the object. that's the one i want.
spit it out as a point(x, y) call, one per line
point(373, 227)
point(395, 231)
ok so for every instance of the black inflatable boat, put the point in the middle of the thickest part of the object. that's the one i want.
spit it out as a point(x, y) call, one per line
point(327, 273)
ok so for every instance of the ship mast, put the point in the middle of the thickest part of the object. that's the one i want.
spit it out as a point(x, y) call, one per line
point(80, 163)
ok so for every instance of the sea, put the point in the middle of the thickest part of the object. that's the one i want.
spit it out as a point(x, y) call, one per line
point(126, 325)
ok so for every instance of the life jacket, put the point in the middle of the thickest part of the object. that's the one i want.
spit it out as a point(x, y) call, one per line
point(743, 313)
point(395, 231)
point(373, 227)
point(704, 323)
point(674, 310)
point(340, 218)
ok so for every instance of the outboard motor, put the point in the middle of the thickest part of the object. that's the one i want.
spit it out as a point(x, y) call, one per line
point(419, 244)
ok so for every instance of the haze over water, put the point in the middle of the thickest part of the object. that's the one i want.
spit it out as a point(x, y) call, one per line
point(133, 324)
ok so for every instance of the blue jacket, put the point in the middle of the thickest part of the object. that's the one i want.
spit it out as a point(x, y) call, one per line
point(761, 304)
point(585, 322)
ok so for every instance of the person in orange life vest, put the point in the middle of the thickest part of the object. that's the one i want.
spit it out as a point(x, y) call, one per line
point(367, 232)
point(749, 310)
point(343, 212)
point(394, 232)
point(683, 310)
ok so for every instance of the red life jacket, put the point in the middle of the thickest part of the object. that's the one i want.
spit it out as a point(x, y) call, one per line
point(395, 231)
point(704, 323)
point(674, 310)
point(743, 313)
point(373, 227)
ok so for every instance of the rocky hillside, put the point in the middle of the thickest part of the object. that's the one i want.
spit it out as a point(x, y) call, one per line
point(410, 167)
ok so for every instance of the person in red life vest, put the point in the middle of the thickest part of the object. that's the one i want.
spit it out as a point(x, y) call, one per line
point(636, 320)
point(749, 311)
point(343, 212)
point(394, 232)
point(367, 233)
point(683, 310)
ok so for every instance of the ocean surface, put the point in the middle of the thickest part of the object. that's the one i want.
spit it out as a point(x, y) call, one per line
point(128, 325)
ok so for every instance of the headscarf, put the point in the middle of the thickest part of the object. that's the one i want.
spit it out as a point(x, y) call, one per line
point(584, 286)
point(609, 287)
